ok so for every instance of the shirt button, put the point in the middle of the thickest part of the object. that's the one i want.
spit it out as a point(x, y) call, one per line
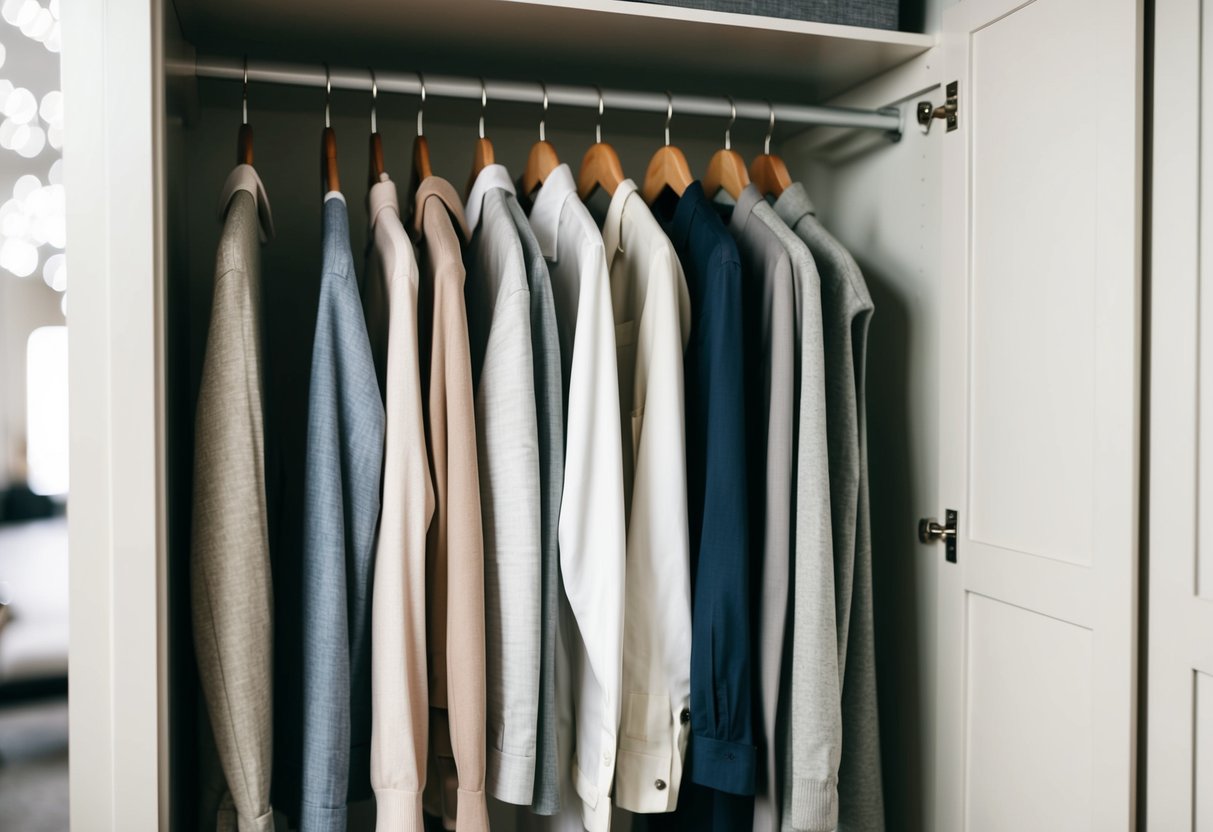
point(685, 716)
point(660, 785)
point(606, 758)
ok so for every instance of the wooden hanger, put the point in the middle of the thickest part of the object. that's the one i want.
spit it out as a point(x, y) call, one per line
point(482, 156)
point(726, 168)
point(542, 159)
point(668, 168)
point(376, 149)
point(244, 139)
point(600, 167)
point(769, 173)
point(328, 141)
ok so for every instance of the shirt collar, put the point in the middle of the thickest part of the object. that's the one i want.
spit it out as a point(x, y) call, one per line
point(549, 202)
point(492, 176)
point(612, 229)
point(382, 195)
point(683, 217)
point(438, 187)
point(746, 200)
point(245, 178)
point(794, 204)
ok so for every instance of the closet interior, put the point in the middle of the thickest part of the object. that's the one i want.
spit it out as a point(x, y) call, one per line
point(877, 190)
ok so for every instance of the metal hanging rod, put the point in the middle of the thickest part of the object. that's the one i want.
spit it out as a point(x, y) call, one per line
point(450, 86)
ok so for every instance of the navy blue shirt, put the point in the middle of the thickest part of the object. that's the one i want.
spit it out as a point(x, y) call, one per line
point(721, 754)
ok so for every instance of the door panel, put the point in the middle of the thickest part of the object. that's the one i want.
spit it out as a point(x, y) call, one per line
point(1033, 281)
point(1039, 415)
point(1029, 719)
point(1203, 773)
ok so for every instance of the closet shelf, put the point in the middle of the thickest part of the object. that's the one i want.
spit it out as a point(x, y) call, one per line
point(608, 42)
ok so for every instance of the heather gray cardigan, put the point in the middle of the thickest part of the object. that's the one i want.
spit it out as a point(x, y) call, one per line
point(846, 311)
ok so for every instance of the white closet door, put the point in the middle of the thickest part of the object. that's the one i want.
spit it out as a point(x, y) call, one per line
point(1179, 743)
point(1039, 415)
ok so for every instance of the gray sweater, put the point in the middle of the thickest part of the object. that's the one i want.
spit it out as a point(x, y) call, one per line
point(846, 312)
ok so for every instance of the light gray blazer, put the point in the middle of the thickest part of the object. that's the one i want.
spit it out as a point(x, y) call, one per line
point(230, 555)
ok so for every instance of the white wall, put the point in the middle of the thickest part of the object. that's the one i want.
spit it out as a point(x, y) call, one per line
point(25, 305)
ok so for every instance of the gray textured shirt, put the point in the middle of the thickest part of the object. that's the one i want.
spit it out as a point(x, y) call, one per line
point(507, 445)
point(846, 312)
point(232, 597)
point(769, 321)
point(549, 407)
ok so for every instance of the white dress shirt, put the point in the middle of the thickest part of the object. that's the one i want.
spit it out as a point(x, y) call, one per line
point(652, 323)
point(399, 695)
point(507, 444)
point(592, 537)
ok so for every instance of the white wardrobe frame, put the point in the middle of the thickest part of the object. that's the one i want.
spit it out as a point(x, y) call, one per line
point(115, 173)
point(118, 704)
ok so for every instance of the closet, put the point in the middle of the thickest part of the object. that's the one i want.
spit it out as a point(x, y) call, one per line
point(1002, 242)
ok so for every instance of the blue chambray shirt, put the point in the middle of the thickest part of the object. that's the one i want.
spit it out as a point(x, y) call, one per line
point(344, 464)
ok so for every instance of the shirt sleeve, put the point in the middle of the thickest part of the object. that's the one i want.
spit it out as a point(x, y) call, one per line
point(508, 455)
point(721, 714)
point(230, 569)
point(399, 696)
point(657, 621)
point(816, 704)
point(464, 585)
point(326, 667)
point(592, 538)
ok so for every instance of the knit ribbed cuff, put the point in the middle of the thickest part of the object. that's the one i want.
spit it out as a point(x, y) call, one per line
point(397, 810)
point(315, 818)
point(472, 812)
point(814, 805)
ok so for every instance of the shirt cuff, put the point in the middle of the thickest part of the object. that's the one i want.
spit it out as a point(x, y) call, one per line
point(397, 810)
point(595, 804)
point(321, 818)
point(814, 805)
point(643, 783)
point(510, 777)
point(472, 812)
point(721, 765)
point(262, 823)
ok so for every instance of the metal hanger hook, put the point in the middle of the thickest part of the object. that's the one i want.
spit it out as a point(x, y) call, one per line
point(542, 121)
point(484, 103)
point(374, 99)
point(669, 115)
point(421, 107)
point(328, 95)
point(728, 139)
point(766, 143)
point(244, 94)
point(598, 124)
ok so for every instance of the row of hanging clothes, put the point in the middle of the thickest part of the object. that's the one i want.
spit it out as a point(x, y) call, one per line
point(586, 523)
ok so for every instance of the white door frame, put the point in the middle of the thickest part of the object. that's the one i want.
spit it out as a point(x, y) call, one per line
point(1181, 398)
point(112, 82)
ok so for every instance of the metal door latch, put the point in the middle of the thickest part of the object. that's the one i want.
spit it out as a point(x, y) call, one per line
point(929, 531)
point(947, 110)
